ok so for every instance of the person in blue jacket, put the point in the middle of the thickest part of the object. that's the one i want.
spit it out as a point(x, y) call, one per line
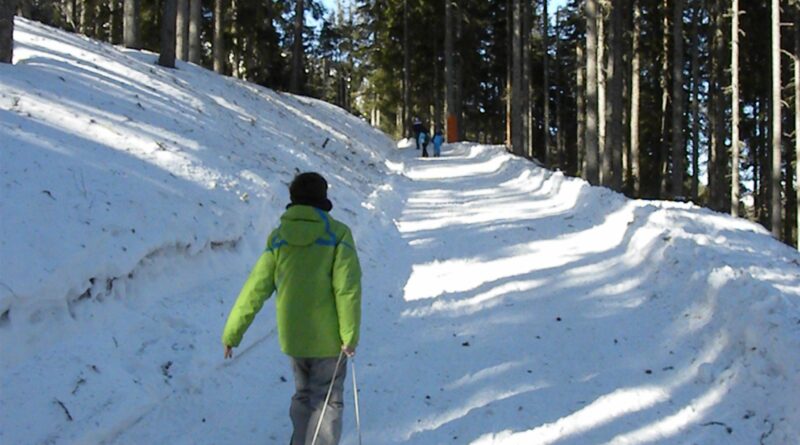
point(438, 140)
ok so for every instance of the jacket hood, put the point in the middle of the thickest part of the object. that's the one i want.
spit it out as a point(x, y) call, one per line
point(301, 225)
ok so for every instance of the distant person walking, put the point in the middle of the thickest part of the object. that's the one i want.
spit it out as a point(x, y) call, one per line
point(417, 127)
point(311, 260)
point(423, 140)
point(438, 140)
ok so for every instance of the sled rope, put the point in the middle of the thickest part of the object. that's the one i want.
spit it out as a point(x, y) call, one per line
point(355, 398)
point(327, 399)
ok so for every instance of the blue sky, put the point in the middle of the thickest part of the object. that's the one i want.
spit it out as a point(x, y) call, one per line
point(554, 4)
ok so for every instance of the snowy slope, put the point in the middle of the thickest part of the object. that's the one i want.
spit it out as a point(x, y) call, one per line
point(123, 184)
point(503, 303)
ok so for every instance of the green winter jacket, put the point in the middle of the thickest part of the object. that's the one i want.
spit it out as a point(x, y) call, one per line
point(311, 261)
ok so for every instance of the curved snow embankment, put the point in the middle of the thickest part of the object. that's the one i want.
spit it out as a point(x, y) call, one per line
point(639, 321)
point(109, 161)
point(716, 302)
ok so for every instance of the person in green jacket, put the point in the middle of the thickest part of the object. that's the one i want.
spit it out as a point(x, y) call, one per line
point(311, 261)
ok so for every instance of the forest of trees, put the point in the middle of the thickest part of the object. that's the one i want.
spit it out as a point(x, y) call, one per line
point(689, 100)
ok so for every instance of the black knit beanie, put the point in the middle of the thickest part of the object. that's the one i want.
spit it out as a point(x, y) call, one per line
point(310, 189)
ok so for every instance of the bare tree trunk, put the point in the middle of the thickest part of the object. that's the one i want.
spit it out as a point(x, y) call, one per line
point(114, 22)
point(735, 108)
point(517, 74)
point(182, 30)
point(398, 122)
point(764, 159)
point(509, 67)
point(406, 73)
point(7, 10)
point(755, 157)
point(697, 16)
point(580, 137)
point(713, 109)
point(168, 19)
point(775, 213)
point(220, 7)
point(451, 120)
point(663, 84)
point(636, 167)
point(626, 74)
point(195, 27)
point(248, 47)
point(235, 52)
point(25, 8)
point(527, 99)
point(614, 123)
point(549, 157)
point(558, 162)
point(797, 121)
point(437, 88)
point(459, 76)
point(791, 203)
point(591, 173)
point(678, 145)
point(297, 48)
point(720, 151)
point(602, 104)
point(130, 24)
point(87, 18)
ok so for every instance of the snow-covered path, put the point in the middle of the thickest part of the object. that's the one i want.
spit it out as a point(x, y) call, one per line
point(537, 306)
point(510, 304)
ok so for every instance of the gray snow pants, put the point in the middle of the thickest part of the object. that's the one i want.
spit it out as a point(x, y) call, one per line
point(312, 377)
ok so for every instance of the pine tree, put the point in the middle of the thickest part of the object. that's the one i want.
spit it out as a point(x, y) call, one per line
point(735, 108)
point(580, 105)
point(168, 23)
point(696, 18)
point(195, 26)
point(519, 83)
point(548, 150)
point(615, 103)
point(718, 159)
point(115, 21)
point(602, 99)
point(678, 145)
point(664, 145)
point(591, 173)
point(7, 10)
point(87, 18)
point(297, 49)
point(775, 178)
point(182, 30)
point(797, 120)
point(130, 24)
point(220, 9)
point(635, 95)
point(406, 117)
point(452, 119)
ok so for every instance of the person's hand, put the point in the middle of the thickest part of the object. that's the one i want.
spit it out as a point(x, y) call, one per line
point(228, 352)
point(348, 350)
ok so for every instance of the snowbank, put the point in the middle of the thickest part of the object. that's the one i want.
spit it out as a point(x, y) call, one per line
point(109, 160)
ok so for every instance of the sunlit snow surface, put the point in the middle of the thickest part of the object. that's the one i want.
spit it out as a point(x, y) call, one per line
point(503, 303)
